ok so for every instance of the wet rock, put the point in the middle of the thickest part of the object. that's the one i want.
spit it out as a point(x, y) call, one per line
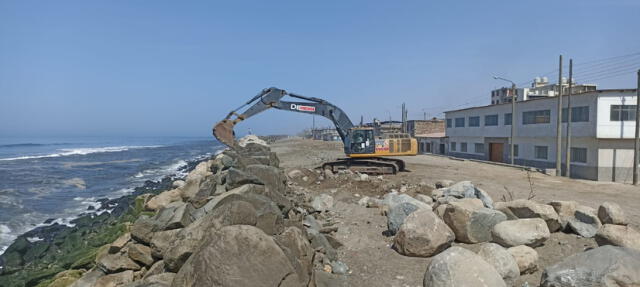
point(611, 213)
point(470, 221)
point(397, 215)
point(618, 235)
point(113, 263)
point(297, 248)
point(140, 253)
point(238, 255)
point(117, 245)
point(531, 231)
point(585, 222)
point(501, 260)
point(322, 202)
point(522, 208)
point(117, 279)
point(526, 258)
point(607, 266)
point(423, 234)
point(457, 266)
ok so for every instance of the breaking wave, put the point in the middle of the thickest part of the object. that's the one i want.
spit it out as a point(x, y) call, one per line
point(80, 151)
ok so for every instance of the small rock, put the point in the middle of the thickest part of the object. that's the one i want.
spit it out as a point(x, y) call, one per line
point(322, 202)
point(338, 267)
point(611, 213)
point(457, 266)
point(526, 258)
point(531, 231)
point(295, 173)
point(618, 235)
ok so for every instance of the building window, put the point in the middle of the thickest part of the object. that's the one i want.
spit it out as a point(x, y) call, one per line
point(491, 120)
point(515, 150)
point(459, 122)
point(474, 121)
point(479, 148)
point(463, 147)
point(541, 152)
point(536, 117)
point(623, 113)
point(453, 146)
point(578, 114)
point(448, 123)
point(507, 119)
point(579, 154)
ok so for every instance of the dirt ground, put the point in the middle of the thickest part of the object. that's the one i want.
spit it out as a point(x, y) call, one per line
point(367, 251)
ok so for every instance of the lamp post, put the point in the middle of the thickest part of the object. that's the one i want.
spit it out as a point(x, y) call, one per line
point(513, 116)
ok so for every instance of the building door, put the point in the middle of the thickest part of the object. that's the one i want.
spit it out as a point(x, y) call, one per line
point(495, 151)
point(441, 148)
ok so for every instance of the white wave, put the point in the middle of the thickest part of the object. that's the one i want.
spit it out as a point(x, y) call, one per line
point(5, 237)
point(34, 239)
point(81, 151)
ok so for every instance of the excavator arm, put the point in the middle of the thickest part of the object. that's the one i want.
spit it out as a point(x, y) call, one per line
point(271, 98)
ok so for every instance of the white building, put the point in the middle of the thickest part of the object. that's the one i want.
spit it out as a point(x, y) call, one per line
point(602, 129)
point(540, 88)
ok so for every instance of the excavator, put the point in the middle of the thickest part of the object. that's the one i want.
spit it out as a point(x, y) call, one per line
point(366, 148)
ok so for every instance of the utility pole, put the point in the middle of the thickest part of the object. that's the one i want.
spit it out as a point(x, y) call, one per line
point(559, 123)
point(637, 142)
point(514, 98)
point(568, 151)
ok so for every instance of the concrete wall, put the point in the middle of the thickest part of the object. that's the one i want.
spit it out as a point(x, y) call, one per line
point(614, 129)
point(615, 160)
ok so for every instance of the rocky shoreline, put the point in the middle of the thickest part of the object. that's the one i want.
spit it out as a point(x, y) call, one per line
point(28, 262)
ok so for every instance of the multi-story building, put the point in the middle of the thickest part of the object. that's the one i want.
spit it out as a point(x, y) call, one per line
point(540, 88)
point(602, 133)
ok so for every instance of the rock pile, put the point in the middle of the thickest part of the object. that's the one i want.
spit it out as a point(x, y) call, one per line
point(230, 223)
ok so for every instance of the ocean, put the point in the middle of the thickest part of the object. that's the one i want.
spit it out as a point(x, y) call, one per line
point(52, 180)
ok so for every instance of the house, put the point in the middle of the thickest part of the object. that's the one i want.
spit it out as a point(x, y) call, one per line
point(430, 135)
point(602, 129)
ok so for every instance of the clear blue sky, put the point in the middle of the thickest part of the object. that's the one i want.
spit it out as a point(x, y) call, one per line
point(177, 67)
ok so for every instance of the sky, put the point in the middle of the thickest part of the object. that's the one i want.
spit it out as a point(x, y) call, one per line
point(175, 68)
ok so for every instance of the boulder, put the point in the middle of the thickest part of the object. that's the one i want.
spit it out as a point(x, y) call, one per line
point(155, 269)
point(531, 231)
point(117, 245)
point(175, 215)
point(140, 253)
point(237, 178)
point(143, 228)
point(565, 210)
point(457, 266)
point(187, 240)
point(234, 210)
point(394, 198)
point(178, 183)
point(465, 189)
point(113, 263)
point(525, 257)
point(113, 280)
point(471, 221)
point(522, 208)
point(272, 177)
point(322, 202)
point(585, 222)
point(611, 213)
point(423, 234)
point(163, 199)
point(424, 198)
point(162, 279)
point(161, 241)
point(618, 235)
point(238, 255)
point(206, 189)
point(297, 248)
point(501, 260)
point(607, 266)
point(397, 215)
point(89, 279)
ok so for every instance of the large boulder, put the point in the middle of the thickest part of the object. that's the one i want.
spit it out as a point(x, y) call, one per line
point(465, 189)
point(501, 260)
point(618, 235)
point(521, 208)
point(526, 258)
point(531, 231)
point(272, 177)
point(397, 215)
point(611, 213)
point(143, 228)
point(163, 199)
point(457, 266)
point(237, 177)
point(119, 243)
point(175, 215)
point(470, 221)
point(423, 234)
point(298, 250)
point(187, 240)
point(113, 263)
point(238, 255)
point(565, 210)
point(235, 210)
point(140, 254)
point(585, 222)
point(161, 241)
point(607, 266)
point(390, 200)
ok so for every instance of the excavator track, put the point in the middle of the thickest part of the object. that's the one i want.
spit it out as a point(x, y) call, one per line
point(368, 165)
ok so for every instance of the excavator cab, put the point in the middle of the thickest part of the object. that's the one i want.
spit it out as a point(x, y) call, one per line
point(360, 141)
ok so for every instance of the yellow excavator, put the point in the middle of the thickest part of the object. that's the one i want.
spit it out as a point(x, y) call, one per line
point(367, 149)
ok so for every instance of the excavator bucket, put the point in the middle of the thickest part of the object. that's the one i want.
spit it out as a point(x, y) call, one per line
point(223, 131)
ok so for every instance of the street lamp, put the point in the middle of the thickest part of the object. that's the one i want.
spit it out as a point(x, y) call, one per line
point(513, 114)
